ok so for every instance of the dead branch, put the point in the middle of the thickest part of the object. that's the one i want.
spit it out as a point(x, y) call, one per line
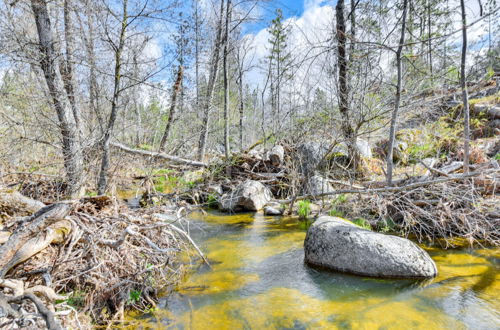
point(160, 155)
point(390, 189)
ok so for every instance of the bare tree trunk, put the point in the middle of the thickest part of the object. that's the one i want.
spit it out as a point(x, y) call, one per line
point(175, 92)
point(72, 152)
point(103, 175)
point(429, 39)
point(95, 116)
point(392, 133)
point(197, 54)
point(465, 97)
point(69, 68)
point(214, 65)
point(242, 102)
point(347, 129)
point(227, 148)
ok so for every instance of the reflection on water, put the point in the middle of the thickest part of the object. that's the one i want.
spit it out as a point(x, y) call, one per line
point(259, 281)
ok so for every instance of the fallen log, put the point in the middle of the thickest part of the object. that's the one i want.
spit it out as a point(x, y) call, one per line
point(15, 204)
point(160, 155)
point(28, 229)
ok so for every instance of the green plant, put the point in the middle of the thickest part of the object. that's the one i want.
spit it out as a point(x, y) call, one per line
point(134, 296)
point(76, 299)
point(304, 209)
point(363, 223)
point(386, 225)
point(212, 201)
point(336, 213)
point(497, 156)
point(340, 199)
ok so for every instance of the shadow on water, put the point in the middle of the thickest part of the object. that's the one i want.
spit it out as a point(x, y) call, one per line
point(259, 280)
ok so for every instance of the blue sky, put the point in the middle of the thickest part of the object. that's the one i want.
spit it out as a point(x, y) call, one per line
point(290, 8)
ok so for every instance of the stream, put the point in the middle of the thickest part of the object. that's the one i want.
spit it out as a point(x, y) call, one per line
point(259, 280)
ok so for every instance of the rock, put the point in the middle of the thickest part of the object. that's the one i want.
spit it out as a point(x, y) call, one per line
point(247, 196)
point(276, 155)
point(317, 185)
point(311, 156)
point(274, 209)
point(215, 189)
point(340, 245)
point(364, 148)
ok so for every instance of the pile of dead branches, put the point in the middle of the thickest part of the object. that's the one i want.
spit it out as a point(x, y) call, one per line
point(91, 257)
point(442, 212)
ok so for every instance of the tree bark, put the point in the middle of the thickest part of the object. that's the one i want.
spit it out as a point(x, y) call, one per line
point(72, 151)
point(342, 60)
point(392, 132)
point(242, 102)
point(103, 175)
point(463, 85)
point(69, 67)
point(214, 65)
point(227, 148)
point(175, 92)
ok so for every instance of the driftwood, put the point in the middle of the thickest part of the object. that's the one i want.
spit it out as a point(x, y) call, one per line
point(30, 228)
point(55, 233)
point(13, 203)
point(159, 155)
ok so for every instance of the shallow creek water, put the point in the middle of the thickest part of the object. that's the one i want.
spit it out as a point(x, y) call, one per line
point(259, 280)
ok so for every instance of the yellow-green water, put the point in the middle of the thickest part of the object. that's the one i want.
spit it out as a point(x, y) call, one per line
point(258, 280)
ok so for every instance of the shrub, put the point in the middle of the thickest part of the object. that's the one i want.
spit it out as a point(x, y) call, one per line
point(304, 209)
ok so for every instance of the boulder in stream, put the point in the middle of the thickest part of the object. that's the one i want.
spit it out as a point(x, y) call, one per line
point(274, 209)
point(339, 245)
point(247, 196)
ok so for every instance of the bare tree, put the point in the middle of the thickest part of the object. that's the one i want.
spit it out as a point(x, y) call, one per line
point(463, 85)
point(118, 49)
point(49, 62)
point(175, 91)
point(342, 61)
point(394, 117)
point(212, 77)
point(226, 81)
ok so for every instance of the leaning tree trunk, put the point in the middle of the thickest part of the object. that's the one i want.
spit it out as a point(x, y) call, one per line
point(175, 92)
point(392, 133)
point(465, 97)
point(49, 62)
point(214, 67)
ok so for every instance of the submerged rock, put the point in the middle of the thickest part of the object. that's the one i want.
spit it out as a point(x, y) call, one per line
point(340, 245)
point(247, 196)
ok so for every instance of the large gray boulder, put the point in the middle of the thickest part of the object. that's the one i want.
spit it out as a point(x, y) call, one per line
point(311, 156)
point(317, 185)
point(340, 245)
point(247, 196)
